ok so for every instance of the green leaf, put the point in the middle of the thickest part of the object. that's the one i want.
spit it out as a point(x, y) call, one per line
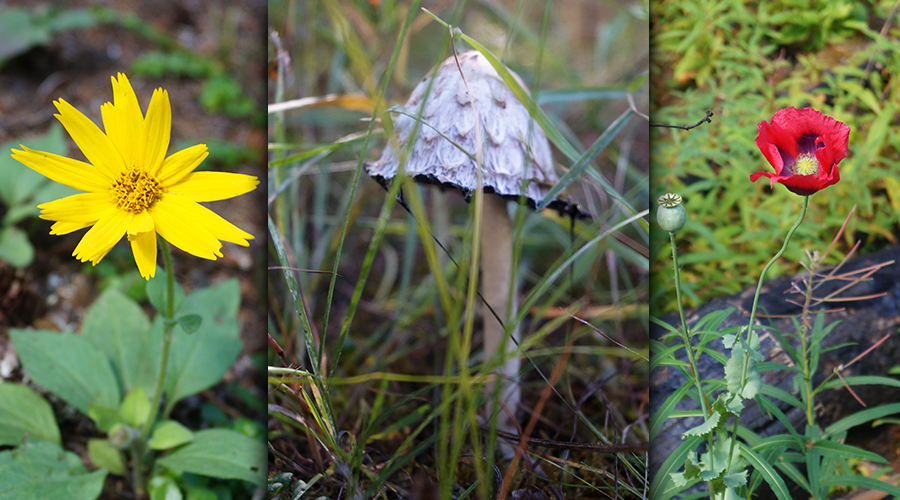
point(659, 486)
point(861, 417)
point(734, 371)
point(164, 488)
point(190, 322)
point(840, 450)
point(736, 479)
point(69, 366)
point(766, 471)
point(104, 417)
point(24, 414)
point(38, 470)
point(220, 453)
point(157, 289)
point(709, 424)
point(198, 361)
point(585, 160)
point(135, 408)
point(105, 456)
point(15, 247)
point(169, 434)
point(19, 32)
point(861, 482)
point(118, 328)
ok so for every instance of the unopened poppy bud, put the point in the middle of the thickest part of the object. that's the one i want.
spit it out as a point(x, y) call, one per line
point(670, 215)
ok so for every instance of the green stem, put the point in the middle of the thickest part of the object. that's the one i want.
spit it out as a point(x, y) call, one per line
point(762, 276)
point(685, 330)
point(169, 323)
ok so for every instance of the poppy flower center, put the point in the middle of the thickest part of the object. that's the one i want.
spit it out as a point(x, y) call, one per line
point(135, 191)
point(807, 164)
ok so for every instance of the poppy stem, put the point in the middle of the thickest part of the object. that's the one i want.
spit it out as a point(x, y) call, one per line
point(762, 276)
point(787, 239)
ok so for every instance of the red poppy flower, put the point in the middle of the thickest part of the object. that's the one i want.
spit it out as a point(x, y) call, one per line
point(805, 147)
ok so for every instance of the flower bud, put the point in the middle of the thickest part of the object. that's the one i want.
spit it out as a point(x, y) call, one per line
point(670, 215)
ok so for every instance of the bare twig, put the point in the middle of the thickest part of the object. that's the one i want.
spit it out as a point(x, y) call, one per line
point(707, 119)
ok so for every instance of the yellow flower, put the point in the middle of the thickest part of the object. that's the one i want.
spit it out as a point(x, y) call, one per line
point(130, 186)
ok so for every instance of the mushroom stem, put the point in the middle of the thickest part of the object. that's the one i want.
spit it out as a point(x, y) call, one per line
point(496, 272)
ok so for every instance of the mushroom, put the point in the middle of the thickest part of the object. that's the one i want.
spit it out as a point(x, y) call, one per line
point(515, 154)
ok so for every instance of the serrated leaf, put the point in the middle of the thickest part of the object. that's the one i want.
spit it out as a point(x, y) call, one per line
point(735, 479)
point(220, 453)
point(708, 426)
point(25, 414)
point(734, 371)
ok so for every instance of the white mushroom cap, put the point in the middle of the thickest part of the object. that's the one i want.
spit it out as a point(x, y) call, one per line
point(514, 146)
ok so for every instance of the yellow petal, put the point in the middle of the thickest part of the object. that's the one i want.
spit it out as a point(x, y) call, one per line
point(73, 173)
point(180, 164)
point(141, 223)
point(116, 134)
point(128, 119)
point(213, 186)
point(83, 208)
point(60, 228)
point(103, 236)
point(220, 228)
point(177, 223)
point(143, 246)
point(155, 134)
point(95, 145)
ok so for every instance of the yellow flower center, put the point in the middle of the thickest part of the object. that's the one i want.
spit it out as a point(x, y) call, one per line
point(807, 164)
point(135, 191)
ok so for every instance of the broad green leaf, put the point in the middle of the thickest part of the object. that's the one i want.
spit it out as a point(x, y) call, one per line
point(69, 366)
point(39, 470)
point(105, 418)
point(25, 414)
point(157, 288)
point(15, 247)
point(199, 360)
point(135, 408)
point(118, 328)
point(169, 434)
point(164, 488)
point(190, 323)
point(220, 453)
point(105, 456)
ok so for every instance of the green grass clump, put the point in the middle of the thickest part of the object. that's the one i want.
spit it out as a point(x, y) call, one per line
point(381, 319)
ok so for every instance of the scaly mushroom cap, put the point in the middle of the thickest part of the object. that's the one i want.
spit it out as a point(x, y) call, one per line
point(514, 146)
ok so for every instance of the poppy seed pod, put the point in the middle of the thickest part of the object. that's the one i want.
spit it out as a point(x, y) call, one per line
point(670, 215)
